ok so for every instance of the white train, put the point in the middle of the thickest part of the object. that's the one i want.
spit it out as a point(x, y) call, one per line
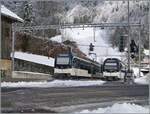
point(113, 69)
point(70, 66)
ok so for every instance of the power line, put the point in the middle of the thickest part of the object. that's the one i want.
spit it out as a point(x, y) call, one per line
point(77, 25)
point(94, 45)
point(111, 55)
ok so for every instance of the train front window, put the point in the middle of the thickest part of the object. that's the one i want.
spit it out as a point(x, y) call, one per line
point(62, 60)
point(111, 64)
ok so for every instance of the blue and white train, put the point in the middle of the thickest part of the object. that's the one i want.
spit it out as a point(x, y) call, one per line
point(70, 66)
point(113, 69)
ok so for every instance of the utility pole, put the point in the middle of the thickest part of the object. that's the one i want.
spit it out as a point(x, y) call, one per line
point(128, 37)
point(129, 74)
point(94, 34)
point(149, 47)
point(13, 48)
point(140, 49)
point(149, 42)
point(0, 38)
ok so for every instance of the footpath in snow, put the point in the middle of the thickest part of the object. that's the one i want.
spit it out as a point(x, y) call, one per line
point(55, 83)
point(119, 108)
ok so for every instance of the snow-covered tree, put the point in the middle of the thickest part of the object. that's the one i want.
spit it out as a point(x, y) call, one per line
point(28, 13)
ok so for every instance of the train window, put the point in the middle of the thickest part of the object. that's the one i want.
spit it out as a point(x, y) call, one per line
point(111, 64)
point(62, 60)
point(111, 61)
point(110, 67)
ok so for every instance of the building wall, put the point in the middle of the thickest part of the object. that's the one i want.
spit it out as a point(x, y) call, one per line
point(21, 65)
point(6, 30)
point(5, 67)
point(6, 37)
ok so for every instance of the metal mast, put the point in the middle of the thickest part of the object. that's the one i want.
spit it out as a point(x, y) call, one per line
point(128, 37)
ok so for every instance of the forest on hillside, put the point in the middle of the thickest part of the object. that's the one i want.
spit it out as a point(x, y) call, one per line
point(78, 11)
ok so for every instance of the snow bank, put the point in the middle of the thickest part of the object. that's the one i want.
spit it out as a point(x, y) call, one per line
point(35, 58)
point(55, 83)
point(9, 13)
point(146, 52)
point(142, 80)
point(119, 108)
point(136, 72)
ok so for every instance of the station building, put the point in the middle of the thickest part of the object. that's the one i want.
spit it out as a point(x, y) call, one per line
point(7, 19)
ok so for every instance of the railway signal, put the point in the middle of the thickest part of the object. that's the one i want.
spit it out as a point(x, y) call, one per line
point(91, 47)
point(133, 47)
point(132, 55)
point(121, 44)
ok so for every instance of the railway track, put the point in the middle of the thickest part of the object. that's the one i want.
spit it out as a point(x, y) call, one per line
point(51, 98)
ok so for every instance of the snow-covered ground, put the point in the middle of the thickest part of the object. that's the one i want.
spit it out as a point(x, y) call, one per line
point(55, 83)
point(146, 52)
point(136, 72)
point(119, 108)
point(142, 80)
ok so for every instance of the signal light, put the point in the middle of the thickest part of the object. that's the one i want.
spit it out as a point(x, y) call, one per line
point(133, 47)
point(91, 47)
point(132, 55)
point(121, 44)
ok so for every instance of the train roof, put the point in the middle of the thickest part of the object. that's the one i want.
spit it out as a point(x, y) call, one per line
point(83, 59)
point(88, 60)
point(112, 59)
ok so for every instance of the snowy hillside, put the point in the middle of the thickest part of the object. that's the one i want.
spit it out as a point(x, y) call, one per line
point(74, 11)
point(95, 11)
point(117, 11)
point(85, 36)
point(111, 12)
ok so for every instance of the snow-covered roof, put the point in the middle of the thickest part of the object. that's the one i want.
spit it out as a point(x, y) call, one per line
point(44, 60)
point(6, 12)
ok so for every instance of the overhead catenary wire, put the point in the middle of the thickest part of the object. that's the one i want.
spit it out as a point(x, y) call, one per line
point(94, 45)
point(77, 25)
